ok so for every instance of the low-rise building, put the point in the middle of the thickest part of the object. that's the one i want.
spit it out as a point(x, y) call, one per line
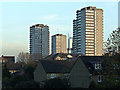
point(14, 67)
point(94, 65)
point(75, 71)
point(80, 71)
point(7, 59)
point(63, 56)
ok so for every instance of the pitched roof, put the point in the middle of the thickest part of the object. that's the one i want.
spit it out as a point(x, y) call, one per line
point(59, 66)
point(62, 55)
point(89, 61)
point(14, 66)
point(54, 66)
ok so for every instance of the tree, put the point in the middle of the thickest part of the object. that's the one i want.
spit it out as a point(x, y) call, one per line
point(5, 76)
point(24, 80)
point(5, 71)
point(28, 72)
point(19, 81)
point(56, 83)
point(28, 84)
point(16, 80)
point(113, 42)
point(93, 84)
point(110, 71)
point(23, 57)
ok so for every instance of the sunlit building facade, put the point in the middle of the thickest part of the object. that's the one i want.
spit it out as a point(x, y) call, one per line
point(88, 32)
point(59, 44)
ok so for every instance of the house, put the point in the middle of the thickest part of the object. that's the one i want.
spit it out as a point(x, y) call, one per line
point(94, 65)
point(7, 59)
point(98, 67)
point(14, 67)
point(9, 63)
point(80, 72)
point(73, 70)
point(62, 56)
point(79, 75)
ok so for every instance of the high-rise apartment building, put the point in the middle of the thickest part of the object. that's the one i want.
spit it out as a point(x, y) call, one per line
point(119, 14)
point(70, 41)
point(39, 41)
point(74, 36)
point(88, 32)
point(59, 44)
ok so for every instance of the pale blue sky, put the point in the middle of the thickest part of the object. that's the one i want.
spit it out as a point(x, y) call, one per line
point(18, 17)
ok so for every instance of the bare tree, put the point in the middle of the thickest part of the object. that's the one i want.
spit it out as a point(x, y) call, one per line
point(113, 42)
point(23, 57)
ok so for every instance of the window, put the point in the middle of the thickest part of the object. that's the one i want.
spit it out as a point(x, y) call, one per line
point(87, 27)
point(89, 17)
point(88, 30)
point(89, 14)
point(89, 52)
point(89, 11)
point(92, 22)
point(100, 78)
point(89, 46)
point(53, 76)
point(89, 35)
point(89, 43)
point(67, 75)
point(97, 66)
point(89, 49)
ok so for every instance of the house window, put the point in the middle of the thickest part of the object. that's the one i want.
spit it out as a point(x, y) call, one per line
point(100, 78)
point(97, 66)
point(53, 76)
point(67, 75)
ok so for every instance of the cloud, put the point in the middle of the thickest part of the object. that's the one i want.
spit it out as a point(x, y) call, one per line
point(60, 29)
point(50, 17)
point(53, 20)
point(13, 48)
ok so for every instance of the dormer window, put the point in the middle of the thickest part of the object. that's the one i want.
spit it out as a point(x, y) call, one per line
point(53, 76)
point(98, 66)
point(100, 78)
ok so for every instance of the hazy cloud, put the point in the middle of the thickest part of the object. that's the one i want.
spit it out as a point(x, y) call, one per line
point(50, 17)
point(61, 29)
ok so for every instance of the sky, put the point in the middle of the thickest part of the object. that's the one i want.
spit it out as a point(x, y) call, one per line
point(17, 17)
point(119, 15)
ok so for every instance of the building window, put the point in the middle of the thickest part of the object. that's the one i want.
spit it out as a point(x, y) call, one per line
point(53, 76)
point(98, 66)
point(67, 75)
point(100, 78)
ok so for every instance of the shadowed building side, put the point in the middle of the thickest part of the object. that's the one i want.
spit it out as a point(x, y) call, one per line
point(39, 41)
point(79, 75)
